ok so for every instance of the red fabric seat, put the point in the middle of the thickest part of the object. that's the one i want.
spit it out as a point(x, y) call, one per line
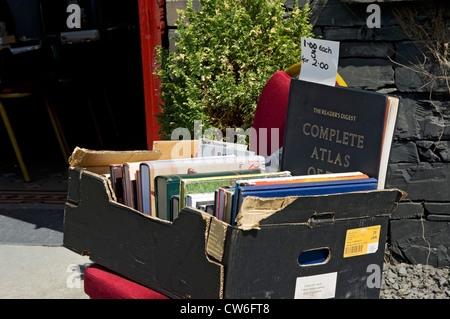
point(270, 114)
point(101, 283)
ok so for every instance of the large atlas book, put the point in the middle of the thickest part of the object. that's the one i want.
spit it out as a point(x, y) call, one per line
point(338, 129)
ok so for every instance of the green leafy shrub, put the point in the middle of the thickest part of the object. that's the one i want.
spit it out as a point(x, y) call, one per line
point(225, 54)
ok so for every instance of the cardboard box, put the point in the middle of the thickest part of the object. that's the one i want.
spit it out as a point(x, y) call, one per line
point(271, 253)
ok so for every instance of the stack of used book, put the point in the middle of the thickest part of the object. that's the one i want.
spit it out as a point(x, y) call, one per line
point(337, 140)
point(161, 188)
point(218, 184)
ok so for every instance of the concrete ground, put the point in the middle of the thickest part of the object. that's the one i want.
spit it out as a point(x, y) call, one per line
point(40, 272)
point(33, 263)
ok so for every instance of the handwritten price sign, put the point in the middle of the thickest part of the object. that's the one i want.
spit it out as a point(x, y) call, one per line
point(319, 61)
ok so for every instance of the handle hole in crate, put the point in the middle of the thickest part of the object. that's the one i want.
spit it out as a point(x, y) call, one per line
point(314, 257)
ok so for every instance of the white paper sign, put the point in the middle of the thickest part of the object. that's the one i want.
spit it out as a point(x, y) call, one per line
point(316, 287)
point(319, 61)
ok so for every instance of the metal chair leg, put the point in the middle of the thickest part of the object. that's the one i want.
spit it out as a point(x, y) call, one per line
point(12, 137)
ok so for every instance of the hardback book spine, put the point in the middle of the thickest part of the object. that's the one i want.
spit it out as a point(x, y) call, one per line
point(116, 176)
point(129, 183)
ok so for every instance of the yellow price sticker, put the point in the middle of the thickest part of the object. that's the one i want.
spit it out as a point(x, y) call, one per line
point(361, 241)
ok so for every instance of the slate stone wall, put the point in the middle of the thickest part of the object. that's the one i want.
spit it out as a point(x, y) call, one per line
point(379, 59)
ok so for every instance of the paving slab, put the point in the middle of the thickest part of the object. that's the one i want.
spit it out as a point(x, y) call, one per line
point(33, 262)
point(40, 272)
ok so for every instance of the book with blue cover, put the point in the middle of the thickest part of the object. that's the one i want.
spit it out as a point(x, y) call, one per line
point(302, 189)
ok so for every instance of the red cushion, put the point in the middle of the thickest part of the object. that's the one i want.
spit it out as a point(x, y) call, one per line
point(271, 114)
point(101, 283)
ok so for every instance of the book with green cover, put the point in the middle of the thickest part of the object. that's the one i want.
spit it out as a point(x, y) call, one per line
point(168, 185)
point(210, 184)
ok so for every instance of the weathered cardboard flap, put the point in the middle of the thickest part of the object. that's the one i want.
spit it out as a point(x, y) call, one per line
point(215, 246)
point(99, 161)
point(256, 212)
point(255, 209)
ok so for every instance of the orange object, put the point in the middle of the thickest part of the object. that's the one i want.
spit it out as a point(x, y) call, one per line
point(306, 180)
